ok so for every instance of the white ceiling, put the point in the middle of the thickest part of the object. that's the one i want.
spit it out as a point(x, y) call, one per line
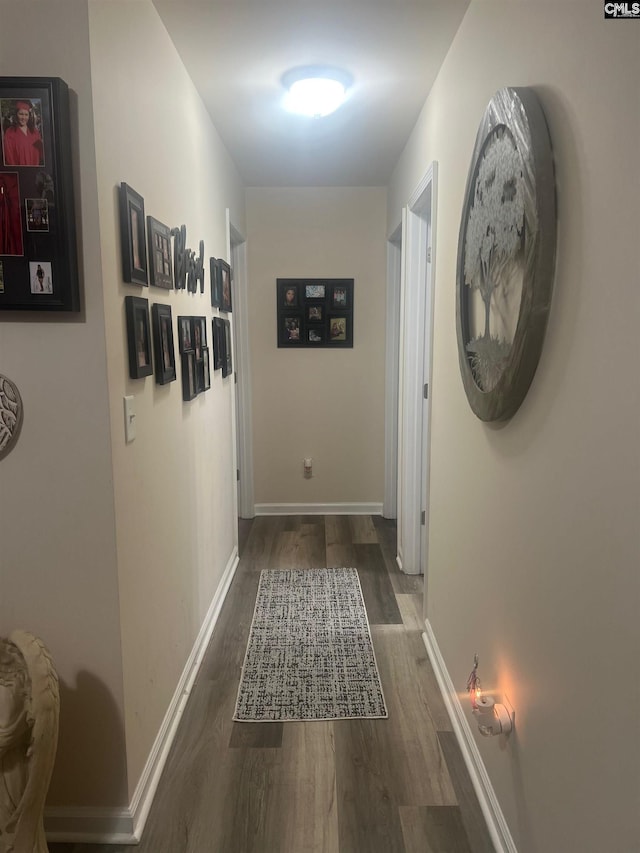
point(236, 52)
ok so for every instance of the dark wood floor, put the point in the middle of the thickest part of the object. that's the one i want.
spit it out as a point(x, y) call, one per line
point(351, 786)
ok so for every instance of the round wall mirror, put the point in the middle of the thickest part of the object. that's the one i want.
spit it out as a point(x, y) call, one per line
point(506, 254)
point(10, 414)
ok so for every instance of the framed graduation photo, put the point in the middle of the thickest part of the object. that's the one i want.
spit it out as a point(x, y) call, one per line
point(38, 226)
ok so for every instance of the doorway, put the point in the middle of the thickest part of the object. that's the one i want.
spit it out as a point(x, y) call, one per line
point(414, 397)
point(392, 371)
point(242, 374)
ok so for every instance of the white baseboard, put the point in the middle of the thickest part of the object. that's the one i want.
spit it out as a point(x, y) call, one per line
point(319, 509)
point(496, 823)
point(125, 826)
point(89, 825)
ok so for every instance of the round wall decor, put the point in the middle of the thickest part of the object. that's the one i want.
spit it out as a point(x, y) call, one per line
point(506, 254)
point(10, 414)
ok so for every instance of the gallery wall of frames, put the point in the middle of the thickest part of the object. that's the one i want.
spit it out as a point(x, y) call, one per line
point(38, 252)
point(156, 255)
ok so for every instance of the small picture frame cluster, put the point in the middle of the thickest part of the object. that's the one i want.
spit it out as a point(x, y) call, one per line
point(139, 340)
point(38, 254)
point(194, 352)
point(220, 274)
point(138, 267)
point(315, 312)
point(222, 346)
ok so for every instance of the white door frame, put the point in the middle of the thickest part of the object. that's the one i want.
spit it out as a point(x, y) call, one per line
point(415, 372)
point(392, 370)
point(237, 254)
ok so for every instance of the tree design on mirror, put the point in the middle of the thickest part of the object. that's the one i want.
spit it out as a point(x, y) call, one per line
point(10, 414)
point(506, 254)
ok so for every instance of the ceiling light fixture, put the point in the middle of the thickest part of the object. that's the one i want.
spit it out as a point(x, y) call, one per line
point(314, 90)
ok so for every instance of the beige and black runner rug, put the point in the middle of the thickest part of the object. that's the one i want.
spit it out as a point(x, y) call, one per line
point(310, 655)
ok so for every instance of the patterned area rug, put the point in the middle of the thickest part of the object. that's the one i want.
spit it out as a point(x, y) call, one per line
point(309, 654)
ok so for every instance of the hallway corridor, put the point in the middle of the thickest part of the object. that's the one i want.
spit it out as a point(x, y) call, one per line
point(351, 786)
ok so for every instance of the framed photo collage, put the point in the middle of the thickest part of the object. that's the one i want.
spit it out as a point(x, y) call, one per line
point(315, 312)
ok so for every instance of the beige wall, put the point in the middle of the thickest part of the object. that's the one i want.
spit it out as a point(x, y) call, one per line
point(534, 544)
point(174, 486)
point(320, 403)
point(57, 527)
point(112, 552)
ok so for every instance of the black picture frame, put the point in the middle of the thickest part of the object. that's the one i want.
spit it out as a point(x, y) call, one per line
point(199, 367)
point(289, 296)
point(206, 365)
point(185, 334)
point(163, 346)
point(339, 328)
point(315, 312)
point(189, 387)
point(38, 251)
point(198, 335)
point(225, 286)
point(138, 337)
point(315, 290)
point(227, 361)
point(217, 326)
point(160, 261)
point(216, 280)
point(290, 330)
point(340, 297)
point(132, 236)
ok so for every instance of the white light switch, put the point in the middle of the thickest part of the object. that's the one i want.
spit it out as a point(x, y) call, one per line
point(129, 419)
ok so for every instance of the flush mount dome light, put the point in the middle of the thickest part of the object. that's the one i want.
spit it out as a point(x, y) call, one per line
point(315, 91)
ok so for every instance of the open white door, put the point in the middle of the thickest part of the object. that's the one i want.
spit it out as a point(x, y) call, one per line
point(415, 376)
point(392, 374)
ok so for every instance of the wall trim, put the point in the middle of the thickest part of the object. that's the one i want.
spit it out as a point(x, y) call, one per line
point(126, 825)
point(89, 825)
point(242, 370)
point(392, 373)
point(496, 823)
point(320, 509)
